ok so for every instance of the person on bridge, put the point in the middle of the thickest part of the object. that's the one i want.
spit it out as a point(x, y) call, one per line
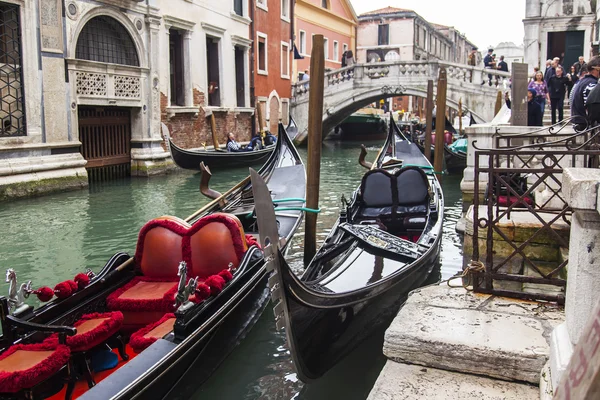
point(557, 86)
point(550, 70)
point(581, 92)
point(534, 112)
point(541, 90)
point(579, 65)
point(502, 65)
point(488, 63)
point(305, 77)
point(350, 61)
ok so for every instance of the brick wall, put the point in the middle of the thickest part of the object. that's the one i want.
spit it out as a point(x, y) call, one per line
point(190, 131)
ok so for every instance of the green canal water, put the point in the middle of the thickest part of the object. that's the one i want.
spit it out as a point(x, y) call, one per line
point(52, 238)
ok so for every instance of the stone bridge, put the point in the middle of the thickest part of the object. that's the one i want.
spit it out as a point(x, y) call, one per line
point(351, 88)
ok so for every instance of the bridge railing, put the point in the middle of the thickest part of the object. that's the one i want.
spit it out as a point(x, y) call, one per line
point(410, 69)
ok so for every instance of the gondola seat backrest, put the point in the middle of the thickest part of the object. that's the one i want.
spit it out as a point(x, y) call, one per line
point(412, 188)
point(376, 193)
point(212, 244)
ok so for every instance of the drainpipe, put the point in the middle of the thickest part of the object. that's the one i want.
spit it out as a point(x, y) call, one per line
point(252, 4)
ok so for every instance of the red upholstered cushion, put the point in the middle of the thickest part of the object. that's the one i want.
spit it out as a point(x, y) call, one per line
point(143, 338)
point(208, 246)
point(160, 247)
point(144, 294)
point(23, 366)
point(92, 330)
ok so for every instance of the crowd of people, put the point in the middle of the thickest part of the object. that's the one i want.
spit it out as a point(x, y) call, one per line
point(554, 83)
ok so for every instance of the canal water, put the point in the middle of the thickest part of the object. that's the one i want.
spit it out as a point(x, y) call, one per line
point(52, 238)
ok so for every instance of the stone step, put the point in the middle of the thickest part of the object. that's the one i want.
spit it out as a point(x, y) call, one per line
point(411, 382)
point(453, 329)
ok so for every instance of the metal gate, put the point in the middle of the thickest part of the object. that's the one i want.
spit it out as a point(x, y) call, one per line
point(105, 135)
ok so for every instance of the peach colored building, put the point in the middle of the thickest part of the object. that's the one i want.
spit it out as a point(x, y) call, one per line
point(335, 20)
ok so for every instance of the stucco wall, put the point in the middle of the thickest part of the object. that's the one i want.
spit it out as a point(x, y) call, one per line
point(277, 30)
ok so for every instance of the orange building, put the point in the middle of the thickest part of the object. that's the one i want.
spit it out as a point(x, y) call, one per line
point(335, 20)
point(272, 53)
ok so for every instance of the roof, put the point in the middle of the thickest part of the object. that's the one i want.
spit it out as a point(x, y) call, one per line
point(386, 10)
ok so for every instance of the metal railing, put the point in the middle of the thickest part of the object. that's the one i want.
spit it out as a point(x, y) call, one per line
point(524, 183)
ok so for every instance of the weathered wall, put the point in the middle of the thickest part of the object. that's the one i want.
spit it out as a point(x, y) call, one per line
point(190, 130)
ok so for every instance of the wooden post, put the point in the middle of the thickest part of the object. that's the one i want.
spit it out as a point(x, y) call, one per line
point(440, 123)
point(428, 120)
point(315, 134)
point(213, 129)
point(260, 119)
point(460, 114)
point(499, 100)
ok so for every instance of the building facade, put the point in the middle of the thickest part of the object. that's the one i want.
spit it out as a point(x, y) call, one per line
point(90, 93)
point(391, 33)
point(335, 20)
point(272, 52)
point(203, 70)
point(559, 28)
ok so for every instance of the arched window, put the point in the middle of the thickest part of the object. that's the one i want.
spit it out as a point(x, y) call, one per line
point(104, 39)
point(325, 4)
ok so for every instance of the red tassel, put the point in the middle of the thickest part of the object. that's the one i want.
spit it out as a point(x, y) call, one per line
point(74, 286)
point(82, 280)
point(44, 294)
point(63, 290)
point(216, 284)
point(202, 292)
point(225, 274)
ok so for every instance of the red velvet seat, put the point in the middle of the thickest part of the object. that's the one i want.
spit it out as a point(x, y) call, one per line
point(92, 330)
point(24, 366)
point(143, 338)
point(212, 244)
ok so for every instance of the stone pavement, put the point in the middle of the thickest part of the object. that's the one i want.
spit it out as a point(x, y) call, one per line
point(452, 329)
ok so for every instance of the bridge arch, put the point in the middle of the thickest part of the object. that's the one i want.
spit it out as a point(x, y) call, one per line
point(335, 114)
point(351, 88)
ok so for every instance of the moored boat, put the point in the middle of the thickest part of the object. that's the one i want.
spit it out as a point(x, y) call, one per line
point(173, 311)
point(364, 124)
point(383, 245)
point(220, 158)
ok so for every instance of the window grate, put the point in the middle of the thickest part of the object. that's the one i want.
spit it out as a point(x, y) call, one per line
point(12, 99)
point(104, 39)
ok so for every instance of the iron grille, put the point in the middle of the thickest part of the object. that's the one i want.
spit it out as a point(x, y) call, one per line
point(104, 39)
point(12, 100)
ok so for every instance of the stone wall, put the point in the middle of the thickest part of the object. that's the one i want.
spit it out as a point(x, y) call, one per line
point(190, 130)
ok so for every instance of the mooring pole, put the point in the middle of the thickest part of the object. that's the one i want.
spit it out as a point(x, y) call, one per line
point(440, 123)
point(259, 117)
point(315, 134)
point(213, 129)
point(428, 119)
point(460, 114)
point(499, 101)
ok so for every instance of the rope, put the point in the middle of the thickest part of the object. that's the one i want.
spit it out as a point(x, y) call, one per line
point(309, 210)
point(289, 200)
point(473, 268)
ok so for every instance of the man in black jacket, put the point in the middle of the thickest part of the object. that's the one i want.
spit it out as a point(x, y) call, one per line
point(557, 86)
point(581, 92)
point(488, 63)
point(502, 65)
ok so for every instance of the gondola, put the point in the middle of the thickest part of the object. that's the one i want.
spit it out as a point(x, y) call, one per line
point(221, 158)
point(171, 322)
point(385, 243)
point(455, 161)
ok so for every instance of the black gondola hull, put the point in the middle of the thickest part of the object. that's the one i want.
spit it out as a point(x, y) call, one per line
point(324, 330)
point(191, 159)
